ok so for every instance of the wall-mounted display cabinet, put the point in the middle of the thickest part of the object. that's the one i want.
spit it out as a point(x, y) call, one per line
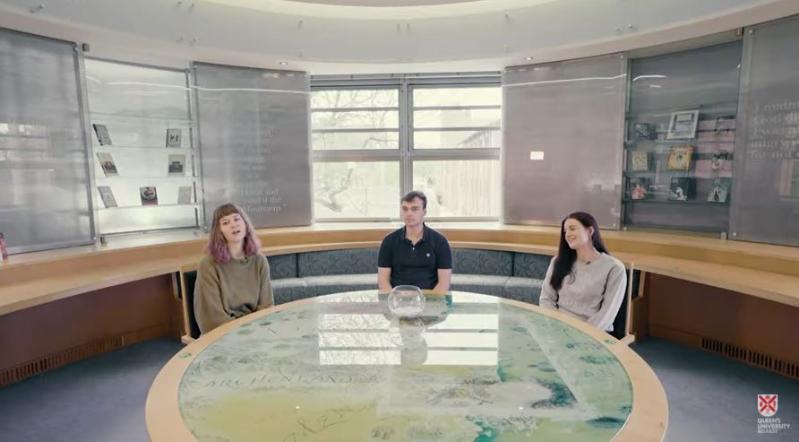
point(142, 147)
point(680, 139)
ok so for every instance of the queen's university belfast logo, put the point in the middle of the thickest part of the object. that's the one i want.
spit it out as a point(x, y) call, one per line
point(767, 404)
point(767, 407)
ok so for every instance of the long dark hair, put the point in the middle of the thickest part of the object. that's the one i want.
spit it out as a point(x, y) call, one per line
point(566, 255)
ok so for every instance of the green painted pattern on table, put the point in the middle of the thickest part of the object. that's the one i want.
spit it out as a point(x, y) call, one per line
point(341, 368)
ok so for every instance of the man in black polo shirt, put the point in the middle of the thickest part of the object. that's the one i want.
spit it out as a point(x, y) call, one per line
point(415, 254)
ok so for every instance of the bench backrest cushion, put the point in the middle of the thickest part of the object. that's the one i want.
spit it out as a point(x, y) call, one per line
point(283, 266)
point(337, 262)
point(482, 262)
point(529, 265)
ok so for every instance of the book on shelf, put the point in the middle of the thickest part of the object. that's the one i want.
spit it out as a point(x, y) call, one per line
point(103, 137)
point(184, 195)
point(107, 163)
point(716, 167)
point(639, 188)
point(719, 136)
point(644, 131)
point(107, 196)
point(680, 157)
point(720, 190)
point(639, 161)
point(683, 124)
point(149, 196)
point(173, 137)
point(177, 165)
point(682, 189)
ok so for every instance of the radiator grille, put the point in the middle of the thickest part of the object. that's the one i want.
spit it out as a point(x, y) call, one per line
point(750, 357)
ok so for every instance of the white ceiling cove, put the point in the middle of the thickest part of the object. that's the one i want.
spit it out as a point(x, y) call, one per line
point(345, 36)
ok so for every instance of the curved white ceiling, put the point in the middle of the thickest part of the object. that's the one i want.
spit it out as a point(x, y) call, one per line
point(383, 3)
point(339, 36)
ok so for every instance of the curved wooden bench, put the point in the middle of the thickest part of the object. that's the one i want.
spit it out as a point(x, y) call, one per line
point(732, 297)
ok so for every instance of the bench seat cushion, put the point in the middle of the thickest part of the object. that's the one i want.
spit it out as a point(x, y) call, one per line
point(325, 285)
point(485, 284)
point(523, 289)
point(290, 289)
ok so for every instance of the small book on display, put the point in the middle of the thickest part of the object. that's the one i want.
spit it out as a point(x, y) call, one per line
point(107, 196)
point(639, 188)
point(173, 137)
point(184, 195)
point(719, 192)
point(639, 161)
point(682, 189)
point(107, 163)
point(177, 165)
point(149, 196)
point(103, 137)
point(644, 131)
point(680, 157)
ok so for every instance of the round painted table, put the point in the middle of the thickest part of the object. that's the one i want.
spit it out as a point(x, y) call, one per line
point(343, 368)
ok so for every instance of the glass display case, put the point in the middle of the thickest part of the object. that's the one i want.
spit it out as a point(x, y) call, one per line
point(142, 147)
point(680, 138)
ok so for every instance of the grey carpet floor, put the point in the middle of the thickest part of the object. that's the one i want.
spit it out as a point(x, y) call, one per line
point(102, 399)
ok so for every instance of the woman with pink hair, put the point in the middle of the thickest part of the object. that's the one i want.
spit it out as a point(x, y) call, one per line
point(233, 278)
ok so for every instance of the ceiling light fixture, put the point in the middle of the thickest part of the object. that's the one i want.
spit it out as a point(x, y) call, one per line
point(283, 63)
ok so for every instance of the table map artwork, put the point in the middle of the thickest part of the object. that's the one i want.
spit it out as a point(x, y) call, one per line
point(341, 368)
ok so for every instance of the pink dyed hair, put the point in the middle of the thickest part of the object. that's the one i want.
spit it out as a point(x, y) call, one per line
point(217, 245)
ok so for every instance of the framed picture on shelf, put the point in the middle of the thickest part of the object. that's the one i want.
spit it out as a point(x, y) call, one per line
point(107, 163)
point(149, 196)
point(103, 137)
point(680, 157)
point(177, 165)
point(184, 195)
point(107, 196)
point(173, 137)
point(639, 161)
point(682, 189)
point(683, 124)
point(639, 188)
point(718, 193)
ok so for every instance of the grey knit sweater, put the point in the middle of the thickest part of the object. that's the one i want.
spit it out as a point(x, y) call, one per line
point(592, 292)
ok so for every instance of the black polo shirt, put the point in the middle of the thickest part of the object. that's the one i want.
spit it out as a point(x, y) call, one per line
point(415, 265)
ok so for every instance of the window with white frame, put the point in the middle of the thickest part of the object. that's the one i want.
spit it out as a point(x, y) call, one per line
point(374, 140)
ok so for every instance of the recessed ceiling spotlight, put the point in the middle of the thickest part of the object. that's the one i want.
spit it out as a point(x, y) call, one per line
point(528, 58)
point(283, 63)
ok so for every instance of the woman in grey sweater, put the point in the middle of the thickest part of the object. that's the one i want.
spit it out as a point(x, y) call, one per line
point(233, 278)
point(583, 280)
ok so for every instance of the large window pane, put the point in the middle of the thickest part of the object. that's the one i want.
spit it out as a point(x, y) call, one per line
point(355, 119)
point(459, 96)
point(367, 184)
point(457, 118)
point(348, 98)
point(383, 119)
point(457, 139)
point(356, 189)
point(355, 140)
point(459, 188)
